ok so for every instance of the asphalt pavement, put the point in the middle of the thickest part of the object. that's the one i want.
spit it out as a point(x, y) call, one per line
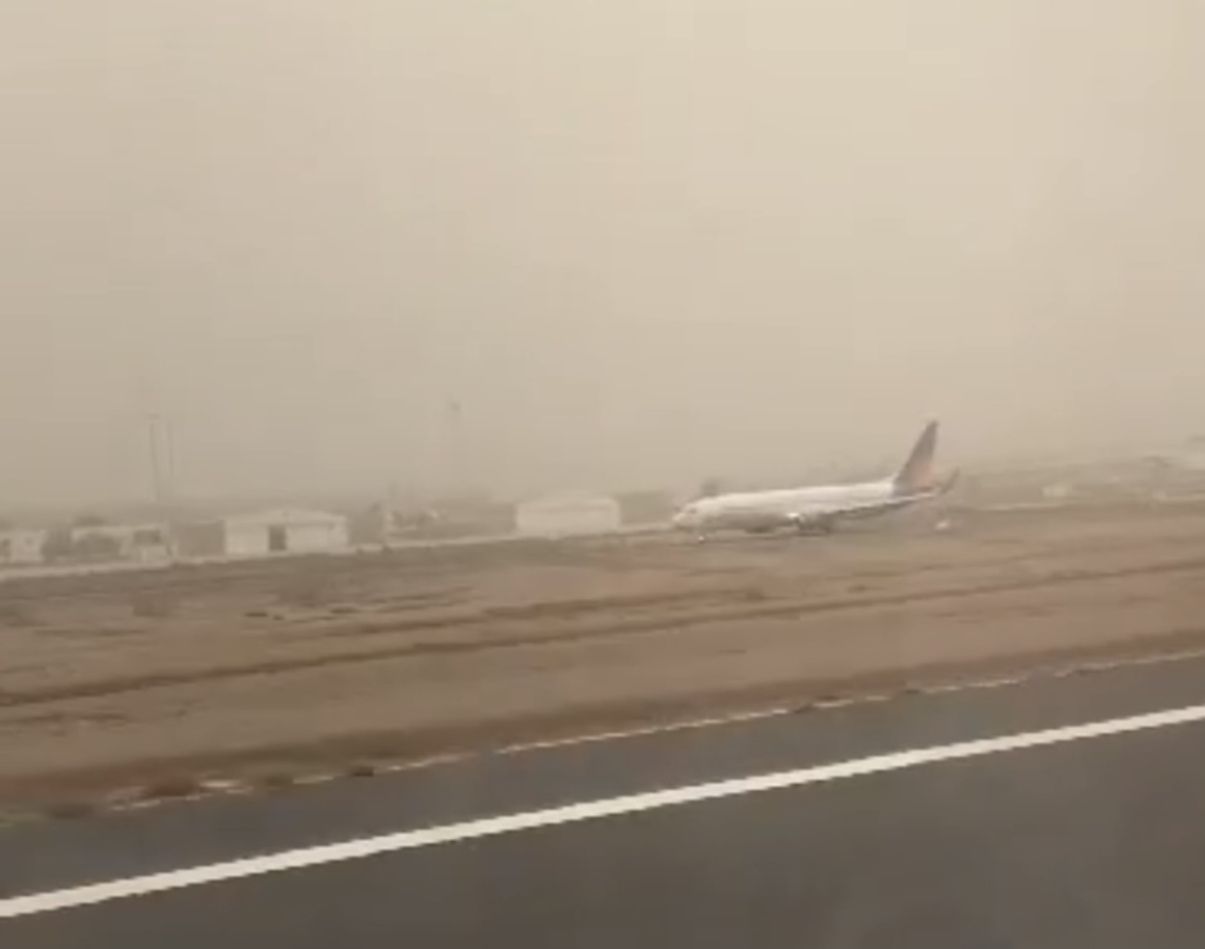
point(926, 820)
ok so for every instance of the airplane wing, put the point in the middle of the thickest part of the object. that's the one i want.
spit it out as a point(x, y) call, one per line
point(824, 520)
point(871, 508)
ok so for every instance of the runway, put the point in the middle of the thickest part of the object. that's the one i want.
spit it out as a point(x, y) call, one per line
point(1058, 811)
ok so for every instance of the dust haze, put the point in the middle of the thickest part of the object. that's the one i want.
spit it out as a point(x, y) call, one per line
point(625, 243)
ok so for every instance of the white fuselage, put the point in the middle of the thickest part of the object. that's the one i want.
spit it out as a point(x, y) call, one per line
point(766, 510)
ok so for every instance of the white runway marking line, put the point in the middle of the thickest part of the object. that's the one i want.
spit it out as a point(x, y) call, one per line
point(573, 813)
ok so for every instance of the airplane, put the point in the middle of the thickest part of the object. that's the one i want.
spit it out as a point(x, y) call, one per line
point(818, 509)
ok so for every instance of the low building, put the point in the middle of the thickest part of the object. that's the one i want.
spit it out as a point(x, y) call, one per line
point(452, 518)
point(566, 515)
point(144, 543)
point(278, 531)
point(22, 546)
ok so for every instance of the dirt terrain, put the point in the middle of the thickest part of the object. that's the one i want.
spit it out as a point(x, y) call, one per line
point(273, 669)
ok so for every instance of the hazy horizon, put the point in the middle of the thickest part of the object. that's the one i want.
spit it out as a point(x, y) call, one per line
point(637, 243)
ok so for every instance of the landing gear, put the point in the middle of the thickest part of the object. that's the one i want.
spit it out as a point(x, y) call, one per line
point(814, 526)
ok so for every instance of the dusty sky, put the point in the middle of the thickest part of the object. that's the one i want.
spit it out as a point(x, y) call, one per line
point(640, 241)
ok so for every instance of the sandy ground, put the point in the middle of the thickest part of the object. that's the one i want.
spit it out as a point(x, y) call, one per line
point(275, 668)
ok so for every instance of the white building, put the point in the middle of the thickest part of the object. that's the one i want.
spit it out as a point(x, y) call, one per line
point(21, 546)
point(567, 515)
point(277, 531)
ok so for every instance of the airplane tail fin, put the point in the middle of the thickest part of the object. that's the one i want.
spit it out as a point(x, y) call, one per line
point(917, 473)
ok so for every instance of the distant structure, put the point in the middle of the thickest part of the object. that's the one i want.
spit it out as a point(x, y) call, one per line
point(276, 531)
point(566, 515)
point(20, 546)
point(141, 543)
